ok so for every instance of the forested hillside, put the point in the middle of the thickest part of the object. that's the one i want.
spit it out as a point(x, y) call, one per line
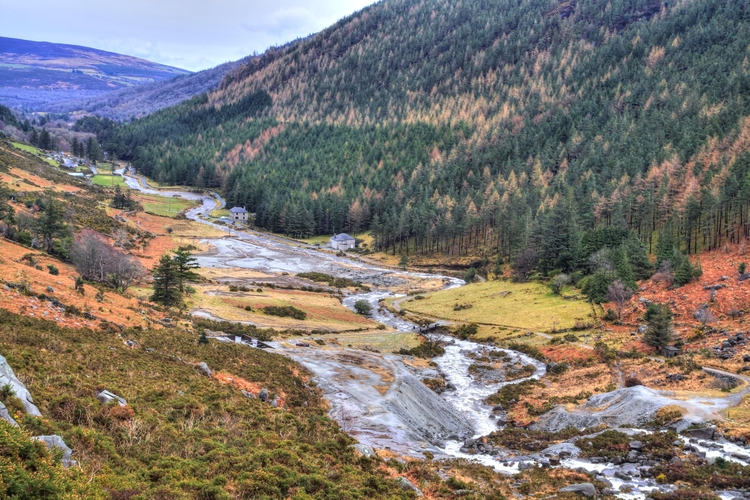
point(483, 127)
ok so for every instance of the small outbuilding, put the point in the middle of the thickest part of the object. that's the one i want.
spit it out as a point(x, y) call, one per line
point(670, 351)
point(342, 242)
point(238, 214)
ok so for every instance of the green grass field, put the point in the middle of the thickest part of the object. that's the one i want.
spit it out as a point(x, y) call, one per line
point(528, 306)
point(108, 180)
point(36, 151)
point(163, 205)
point(222, 212)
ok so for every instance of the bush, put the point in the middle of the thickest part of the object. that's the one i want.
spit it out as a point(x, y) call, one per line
point(465, 331)
point(54, 271)
point(363, 307)
point(610, 315)
point(632, 381)
point(285, 311)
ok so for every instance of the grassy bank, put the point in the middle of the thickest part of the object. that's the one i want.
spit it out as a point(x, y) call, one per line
point(529, 306)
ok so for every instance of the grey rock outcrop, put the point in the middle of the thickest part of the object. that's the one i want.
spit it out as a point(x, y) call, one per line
point(205, 369)
point(7, 377)
point(562, 450)
point(630, 406)
point(426, 414)
point(365, 450)
point(54, 443)
point(407, 485)
point(586, 489)
point(105, 397)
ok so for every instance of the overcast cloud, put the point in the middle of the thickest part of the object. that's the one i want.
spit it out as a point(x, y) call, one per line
point(188, 34)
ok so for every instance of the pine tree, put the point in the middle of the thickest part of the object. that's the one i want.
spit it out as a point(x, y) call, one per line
point(50, 223)
point(185, 263)
point(659, 331)
point(167, 282)
point(203, 340)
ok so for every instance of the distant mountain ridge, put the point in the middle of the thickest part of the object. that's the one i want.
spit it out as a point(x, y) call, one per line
point(141, 100)
point(35, 74)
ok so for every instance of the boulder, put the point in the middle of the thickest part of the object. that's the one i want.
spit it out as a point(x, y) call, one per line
point(263, 395)
point(205, 369)
point(365, 450)
point(586, 489)
point(636, 445)
point(706, 433)
point(7, 377)
point(55, 443)
point(407, 485)
point(5, 415)
point(106, 397)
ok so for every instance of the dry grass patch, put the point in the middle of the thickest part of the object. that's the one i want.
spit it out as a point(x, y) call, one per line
point(324, 312)
point(114, 307)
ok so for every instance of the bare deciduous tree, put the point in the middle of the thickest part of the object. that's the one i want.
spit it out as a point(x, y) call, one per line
point(97, 260)
point(525, 263)
point(619, 294)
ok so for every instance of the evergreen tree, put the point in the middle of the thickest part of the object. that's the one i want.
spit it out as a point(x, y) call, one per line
point(93, 150)
point(185, 263)
point(50, 223)
point(203, 340)
point(167, 282)
point(659, 331)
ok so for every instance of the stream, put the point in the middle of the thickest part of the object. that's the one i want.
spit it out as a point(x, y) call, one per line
point(378, 397)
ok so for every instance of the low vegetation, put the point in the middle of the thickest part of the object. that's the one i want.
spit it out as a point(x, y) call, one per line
point(184, 435)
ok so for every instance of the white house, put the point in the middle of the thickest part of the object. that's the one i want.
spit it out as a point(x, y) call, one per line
point(238, 214)
point(342, 242)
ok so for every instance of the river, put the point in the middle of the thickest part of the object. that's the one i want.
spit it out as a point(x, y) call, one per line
point(379, 397)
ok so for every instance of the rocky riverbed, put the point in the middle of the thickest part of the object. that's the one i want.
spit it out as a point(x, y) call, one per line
point(380, 399)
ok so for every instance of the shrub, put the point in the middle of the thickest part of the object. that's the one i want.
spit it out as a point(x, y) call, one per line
point(285, 311)
point(363, 307)
point(54, 271)
point(632, 381)
point(466, 331)
point(610, 315)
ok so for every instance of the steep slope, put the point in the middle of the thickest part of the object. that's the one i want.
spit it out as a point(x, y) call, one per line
point(481, 125)
point(33, 74)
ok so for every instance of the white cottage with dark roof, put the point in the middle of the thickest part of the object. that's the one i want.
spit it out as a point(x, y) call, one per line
point(238, 214)
point(342, 242)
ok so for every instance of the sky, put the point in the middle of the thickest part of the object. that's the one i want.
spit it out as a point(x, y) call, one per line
point(188, 34)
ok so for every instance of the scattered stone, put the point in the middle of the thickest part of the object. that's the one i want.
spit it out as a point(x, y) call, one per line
point(275, 403)
point(636, 445)
point(586, 489)
point(407, 485)
point(50, 289)
point(55, 442)
point(675, 377)
point(247, 394)
point(204, 368)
